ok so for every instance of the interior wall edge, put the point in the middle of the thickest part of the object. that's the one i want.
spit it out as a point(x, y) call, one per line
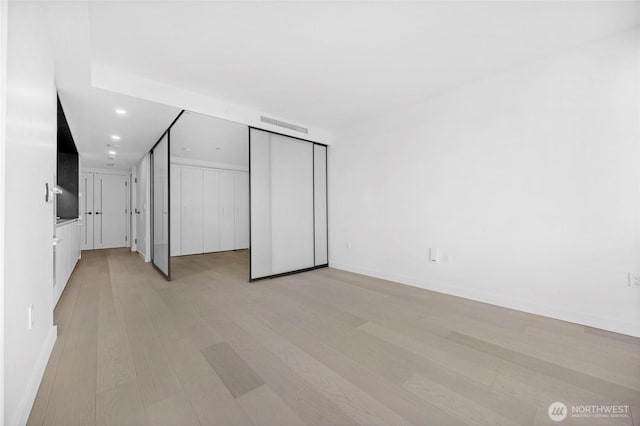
point(3, 104)
point(29, 397)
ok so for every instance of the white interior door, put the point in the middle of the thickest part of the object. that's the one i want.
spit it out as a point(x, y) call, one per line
point(87, 211)
point(227, 211)
point(241, 189)
point(191, 200)
point(110, 201)
point(211, 210)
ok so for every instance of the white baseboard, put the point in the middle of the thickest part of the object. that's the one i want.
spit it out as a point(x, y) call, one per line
point(605, 323)
point(29, 397)
point(144, 256)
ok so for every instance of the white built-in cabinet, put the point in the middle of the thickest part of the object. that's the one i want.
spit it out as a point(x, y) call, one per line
point(67, 253)
point(209, 210)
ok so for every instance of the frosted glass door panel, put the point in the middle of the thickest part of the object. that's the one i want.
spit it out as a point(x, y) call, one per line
point(227, 212)
point(320, 203)
point(260, 177)
point(211, 193)
point(291, 204)
point(241, 188)
point(192, 226)
point(160, 205)
point(176, 211)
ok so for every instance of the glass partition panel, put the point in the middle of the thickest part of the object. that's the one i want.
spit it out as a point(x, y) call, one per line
point(160, 205)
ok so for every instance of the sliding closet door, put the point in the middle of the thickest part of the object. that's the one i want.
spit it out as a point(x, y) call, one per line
point(192, 205)
point(211, 210)
point(260, 195)
point(160, 205)
point(320, 204)
point(283, 223)
point(291, 204)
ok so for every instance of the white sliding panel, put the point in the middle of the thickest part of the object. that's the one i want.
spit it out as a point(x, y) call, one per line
point(176, 211)
point(192, 205)
point(260, 176)
point(320, 204)
point(291, 204)
point(241, 189)
point(211, 193)
point(227, 212)
point(282, 205)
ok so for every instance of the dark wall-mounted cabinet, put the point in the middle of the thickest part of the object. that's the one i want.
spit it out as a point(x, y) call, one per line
point(67, 169)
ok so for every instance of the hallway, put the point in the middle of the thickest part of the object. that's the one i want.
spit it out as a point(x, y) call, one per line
point(323, 347)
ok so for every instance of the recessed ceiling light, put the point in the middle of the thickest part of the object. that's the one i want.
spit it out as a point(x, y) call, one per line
point(112, 153)
point(115, 137)
point(121, 111)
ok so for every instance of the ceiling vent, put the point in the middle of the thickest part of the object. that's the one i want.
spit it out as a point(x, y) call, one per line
point(283, 124)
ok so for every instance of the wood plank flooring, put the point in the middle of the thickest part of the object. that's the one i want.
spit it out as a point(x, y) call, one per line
point(322, 347)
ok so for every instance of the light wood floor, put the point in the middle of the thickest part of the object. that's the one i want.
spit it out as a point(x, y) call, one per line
point(323, 347)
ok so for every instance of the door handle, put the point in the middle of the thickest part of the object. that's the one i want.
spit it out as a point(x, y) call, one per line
point(97, 213)
point(89, 213)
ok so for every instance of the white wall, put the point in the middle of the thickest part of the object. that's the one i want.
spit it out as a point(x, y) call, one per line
point(30, 163)
point(3, 116)
point(528, 181)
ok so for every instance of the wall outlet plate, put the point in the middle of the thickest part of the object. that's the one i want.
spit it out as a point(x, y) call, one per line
point(30, 317)
point(634, 279)
point(434, 254)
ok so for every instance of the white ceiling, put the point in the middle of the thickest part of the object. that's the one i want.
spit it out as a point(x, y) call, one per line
point(331, 63)
point(91, 111)
point(324, 64)
point(92, 119)
point(207, 139)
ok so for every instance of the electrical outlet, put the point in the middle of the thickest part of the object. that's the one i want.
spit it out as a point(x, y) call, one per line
point(434, 254)
point(634, 279)
point(30, 317)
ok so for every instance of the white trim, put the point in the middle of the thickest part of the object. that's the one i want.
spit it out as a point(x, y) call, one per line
point(4, 8)
point(208, 164)
point(605, 323)
point(29, 397)
point(133, 194)
point(105, 171)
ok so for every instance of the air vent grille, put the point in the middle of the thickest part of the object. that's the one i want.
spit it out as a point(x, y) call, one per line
point(284, 124)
